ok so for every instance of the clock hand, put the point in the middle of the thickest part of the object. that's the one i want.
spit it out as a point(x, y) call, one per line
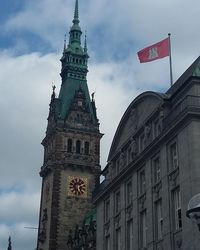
point(79, 190)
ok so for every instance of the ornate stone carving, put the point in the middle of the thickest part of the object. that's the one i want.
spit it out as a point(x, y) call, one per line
point(134, 148)
point(122, 160)
point(107, 228)
point(43, 231)
point(147, 133)
point(129, 211)
point(179, 243)
point(156, 189)
point(160, 122)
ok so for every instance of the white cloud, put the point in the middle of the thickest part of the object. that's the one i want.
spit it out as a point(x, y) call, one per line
point(26, 89)
point(25, 84)
point(18, 211)
point(17, 207)
point(22, 238)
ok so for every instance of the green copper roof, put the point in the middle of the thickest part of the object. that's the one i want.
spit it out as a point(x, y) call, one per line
point(67, 93)
point(196, 71)
point(91, 216)
point(74, 71)
point(192, 71)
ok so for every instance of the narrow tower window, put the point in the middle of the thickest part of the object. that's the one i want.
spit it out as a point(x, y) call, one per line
point(69, 145)
point(86, 148)
point(78, 147)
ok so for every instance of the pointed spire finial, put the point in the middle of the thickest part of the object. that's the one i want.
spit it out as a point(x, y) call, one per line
point(76, 13)
point(9, 243)
point(85, 46)
point(93, 96)
point(53, 93)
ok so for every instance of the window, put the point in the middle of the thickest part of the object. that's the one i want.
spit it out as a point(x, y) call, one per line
point(129, 192)
point(142, 182)
point(158, 220)
point(107, 242)
point(118, 239)
point(173, 154)
point(78, 147)
point(69, 145)
point(86, 148)
point(176, 196)
point(156, 169)
point(117, 202)
point(129, 235)
point(143, 229)
point(106, 210)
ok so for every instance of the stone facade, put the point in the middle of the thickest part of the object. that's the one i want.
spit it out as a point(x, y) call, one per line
point(71, 170)
point(153, 171)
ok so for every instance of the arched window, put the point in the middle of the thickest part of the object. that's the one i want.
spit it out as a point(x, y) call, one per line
point(78, 147)
point(86, 148)
point(69, 145)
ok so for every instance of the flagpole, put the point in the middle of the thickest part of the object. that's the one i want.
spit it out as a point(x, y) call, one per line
point(170, 60)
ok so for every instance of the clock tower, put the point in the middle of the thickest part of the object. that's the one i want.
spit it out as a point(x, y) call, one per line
point(71, 169)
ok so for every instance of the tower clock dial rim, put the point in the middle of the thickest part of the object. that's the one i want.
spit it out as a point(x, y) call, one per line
point(77, 186)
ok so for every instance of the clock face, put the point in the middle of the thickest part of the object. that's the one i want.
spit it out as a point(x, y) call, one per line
point(77, 186)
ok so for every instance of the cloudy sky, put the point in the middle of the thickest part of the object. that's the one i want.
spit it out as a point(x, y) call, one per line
point(31, 43)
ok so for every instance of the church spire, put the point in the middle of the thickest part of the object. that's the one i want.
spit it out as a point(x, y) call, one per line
point(76, 13)
point(74, 70)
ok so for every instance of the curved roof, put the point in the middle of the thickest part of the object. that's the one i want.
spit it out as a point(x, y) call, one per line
point(135, 115)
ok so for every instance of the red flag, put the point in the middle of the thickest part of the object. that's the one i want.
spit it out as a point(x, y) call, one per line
point(155, 51)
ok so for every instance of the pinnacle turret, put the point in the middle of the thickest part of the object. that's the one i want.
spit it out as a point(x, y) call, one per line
point(85, 45)
point(75, 31)
point(64, 44)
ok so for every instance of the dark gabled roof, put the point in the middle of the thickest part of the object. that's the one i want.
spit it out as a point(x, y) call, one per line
point(192, 71)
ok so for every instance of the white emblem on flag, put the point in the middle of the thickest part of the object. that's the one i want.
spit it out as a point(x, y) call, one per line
point(153, 53)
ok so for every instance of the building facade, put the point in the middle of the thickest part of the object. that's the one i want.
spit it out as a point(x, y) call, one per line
point(153, 171)
point(71, 170)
